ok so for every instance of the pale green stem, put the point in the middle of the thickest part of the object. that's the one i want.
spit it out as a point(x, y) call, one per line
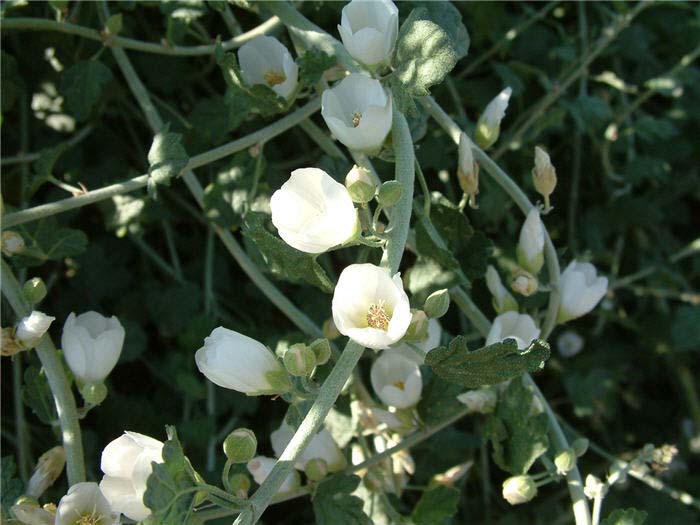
point(56, 376)
point(31, 157)
point(40, 24)
point(322, 139)
point(230, 20)
point(156, 258)
point(23, 451)
point(597, 507)
point(470, 310)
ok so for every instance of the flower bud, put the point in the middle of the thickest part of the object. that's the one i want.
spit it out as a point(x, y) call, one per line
point(369, 30)
point(502, 300)
point(48, 468)
point(322, 351)
point(92, 344)
point(265, 60)
point(32, 328)
point(530, 248)
point(480, 401)
point(581, 290)
point(94, 393)
point(519, 489)
point(360, 185)
point(418, 329)
point(468, 170)
point(240, 445)
point(580, 446)
point(389, 193)
point(565, 461)
point(437, 304)
point(524, 283)
point(544, 176)
point(240, 485)
point(593, 487)
point(316, 469)
point(299, 360)
point(34, 290)
point(488, 127)
point(9, 345)
point(12, 243)
point(31, 514)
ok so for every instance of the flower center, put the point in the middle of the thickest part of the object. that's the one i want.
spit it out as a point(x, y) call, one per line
point(377, 316)
point(356, 117)
point(399, 384)
point(88, 519)
point(272, 77)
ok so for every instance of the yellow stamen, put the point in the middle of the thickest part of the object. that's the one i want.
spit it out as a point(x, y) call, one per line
point(377, 316)
point(356, 117)
point(272, 78)
point(86, 519)
point(399, 384)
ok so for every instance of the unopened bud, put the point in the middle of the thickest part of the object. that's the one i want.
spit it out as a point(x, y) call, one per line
point(468, 170)
point(580, 446)
point(34, 290)
point(30, 513)
point(48, 468)
point(94, 393)
point(9, 345)
point(418, 329)
point(502, 300)
point(488, 127)
point(481, 401)
point(519, 489)
point(12, 243)
point(565, 461)
point(322, 351)
point(32, 327)
point(544, 176)
point(360, 184)
point(524, 283)
point(330, 331)
point(389, 193)
point(299, 360)
point(316, 469)
point(437, 304)
point(594, 488)
point(240, 446)
point(240, 485)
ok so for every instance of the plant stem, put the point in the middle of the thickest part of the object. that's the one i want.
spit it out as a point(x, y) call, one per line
point(23, 451)
point(24, 158)
point(60, 388)
point(40, 24)
point(322, 139)
point(470, 310)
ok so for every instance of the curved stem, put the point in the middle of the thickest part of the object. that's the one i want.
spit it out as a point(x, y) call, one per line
point(40, 24)
point(23, 158)
point(56, 376)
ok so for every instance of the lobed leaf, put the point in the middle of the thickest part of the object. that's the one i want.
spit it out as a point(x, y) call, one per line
point(335, 505)
point(436, 506)
point(82, 86)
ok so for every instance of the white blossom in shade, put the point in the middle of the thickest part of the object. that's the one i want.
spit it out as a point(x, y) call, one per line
point(569, 343)
point(32, 327)
point(396, 380)
point(261, 466)
point(126, 463)
point(531, 244)
point(512, 325)
point(502, 299)
point(322, 446)
point(371, 307)
point(84, 504)
point(519, 489)
point(481, 401)
point(488, 127)
point(265, 60)
point(12, 243)
point(235, 361)
point(358, 111)
point(92, 344)
point(581, 290)
point(368, 29)
point(313, 213)
point(417, 350)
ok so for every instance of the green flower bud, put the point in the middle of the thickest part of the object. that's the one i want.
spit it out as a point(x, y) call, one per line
point(389, 193)
point(322, 350)
point(565, 461)
point(94, 393)
point(418, 329)
point(519, 489)
point(580, 446)
point(488, 127)
point(300, 360)
point(437, 304)
point(316, 469)
point(278, 380)
point(360, 185)
point(34, 290)
point(240, 446)
point(240, 485)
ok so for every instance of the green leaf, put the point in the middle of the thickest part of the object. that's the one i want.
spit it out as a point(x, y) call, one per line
point(436, 506)
point(36, 394)
point(489, 365)
point(625, 517)
point(312, 65)
point(685, 328)
point(45, 241)
point(439, 400)
point(448, 17)
point(166, 158)
point(283, 260)
point(335, 505)
point(518, 436)
point(11, 488)
point(82, 86)
point(114, 24)
point(43, 166)
point(10, 82)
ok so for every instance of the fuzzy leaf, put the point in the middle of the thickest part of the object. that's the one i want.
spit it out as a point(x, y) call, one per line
point(166, 158)
point(45, 241)
point(11, 488)
point(448, 17)
point(36, 394)
point(625, 517)
point(82, 86)
point(312, 65)
point(436, 506)
point(335, 505)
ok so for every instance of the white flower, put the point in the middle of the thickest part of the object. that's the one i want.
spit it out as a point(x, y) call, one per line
point(512, 325)
point(482, 400)
point(502, 299)
point(126, 463)
point(396, 380)
point(322, 446)
point(569, 343)
point(371, 307)
point(358, 111)
point(488, 127)
point(519, 489)
point(92, 344)
point(235, 361)
point(416, 350)
point(265, 60)
point(581, 290)
point(312, 212)
point(85, 504)
point(32, 327)
point(368, 29)
point(531, 244)
point(260, 467)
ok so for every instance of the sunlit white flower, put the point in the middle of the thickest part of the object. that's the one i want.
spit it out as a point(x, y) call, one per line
point(569, 343)
point(502, 299)
point(358, 111)
point(126, 463)
point(512, 325)
point(581, 290)
point(322, 446)
point(235, 361)
point(531, 244)
point(312, 212)
point(396, 380)
point(265, 60)
point(371, 307)
point(368, 29)
point(92, 344)
point(481, 401)
point(260, 467)
point(32, 327)
point(488, 127)
point(416, 350)
point(84, 504)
